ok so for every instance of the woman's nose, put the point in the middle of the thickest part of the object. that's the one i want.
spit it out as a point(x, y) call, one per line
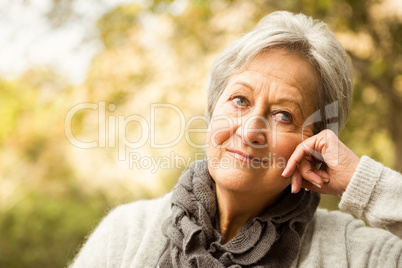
point(254, 131)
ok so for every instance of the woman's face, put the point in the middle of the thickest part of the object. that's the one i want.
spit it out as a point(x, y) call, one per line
point(258, 122)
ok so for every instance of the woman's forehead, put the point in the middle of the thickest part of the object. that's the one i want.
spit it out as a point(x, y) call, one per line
point(290, 68)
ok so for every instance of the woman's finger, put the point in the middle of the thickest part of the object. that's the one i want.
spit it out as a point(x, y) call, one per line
point(308, 172)
point(296, 181)
point(308, 185)
point(323, 174)
point(297, 156)
point(311, 147)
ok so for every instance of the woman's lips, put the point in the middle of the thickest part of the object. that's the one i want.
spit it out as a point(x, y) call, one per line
point(244, 157)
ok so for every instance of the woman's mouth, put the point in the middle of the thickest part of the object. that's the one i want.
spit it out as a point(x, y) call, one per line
point(244, 157)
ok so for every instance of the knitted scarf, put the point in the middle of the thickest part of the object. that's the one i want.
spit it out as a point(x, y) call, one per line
point(271, 239)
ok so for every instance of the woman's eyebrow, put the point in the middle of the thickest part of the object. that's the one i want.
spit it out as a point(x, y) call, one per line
point(281, 100)
point(244, 84)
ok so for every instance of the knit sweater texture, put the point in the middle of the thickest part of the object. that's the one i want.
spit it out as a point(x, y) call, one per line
point(271, 239)
point(131, 234)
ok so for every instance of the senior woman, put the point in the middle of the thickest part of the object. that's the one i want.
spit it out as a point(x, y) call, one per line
point(274, 94)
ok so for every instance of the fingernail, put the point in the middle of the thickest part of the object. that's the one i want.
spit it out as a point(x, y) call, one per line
point(316, 184)
point(292, 190)
point(325, 180)
point(283, 173)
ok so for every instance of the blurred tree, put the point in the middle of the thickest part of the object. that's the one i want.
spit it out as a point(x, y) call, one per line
point(378, 70)
point(46, 209)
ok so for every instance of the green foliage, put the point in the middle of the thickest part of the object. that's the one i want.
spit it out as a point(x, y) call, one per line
point(116, 24)
point(11, 108)
point(44, 230)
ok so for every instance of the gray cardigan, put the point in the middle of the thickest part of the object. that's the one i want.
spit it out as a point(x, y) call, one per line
point(130, 235)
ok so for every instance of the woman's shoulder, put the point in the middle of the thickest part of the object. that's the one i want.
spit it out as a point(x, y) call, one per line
point(330, 217)
point(123, 232)
point(338, 237)
point(141, 210)
point(344, 228)
point(324, 241)
point(129, 221)
point(334, 222)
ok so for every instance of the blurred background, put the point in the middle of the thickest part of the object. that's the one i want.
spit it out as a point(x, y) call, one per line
point(73, 73)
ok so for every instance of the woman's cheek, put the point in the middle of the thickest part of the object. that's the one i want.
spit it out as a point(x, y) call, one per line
point(220, 130)
point(285, 145)
point(219, 136)
point(216, 136)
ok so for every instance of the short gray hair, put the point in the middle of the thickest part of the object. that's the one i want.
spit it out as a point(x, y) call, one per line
point(299, 34)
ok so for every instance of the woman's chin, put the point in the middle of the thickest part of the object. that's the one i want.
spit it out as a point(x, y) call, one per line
point(249, 180)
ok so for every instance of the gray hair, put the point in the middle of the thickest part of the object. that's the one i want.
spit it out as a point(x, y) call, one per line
point(299, 34)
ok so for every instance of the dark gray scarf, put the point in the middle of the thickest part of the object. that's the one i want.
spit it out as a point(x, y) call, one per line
point(272, 239)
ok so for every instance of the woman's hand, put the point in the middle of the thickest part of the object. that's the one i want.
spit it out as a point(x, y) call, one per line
point(338, 163)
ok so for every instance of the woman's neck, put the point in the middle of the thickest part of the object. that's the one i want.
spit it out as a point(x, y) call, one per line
point(236, 209)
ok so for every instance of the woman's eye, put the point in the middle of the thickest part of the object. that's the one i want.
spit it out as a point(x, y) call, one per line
point(283, 117)
point(240, 101)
